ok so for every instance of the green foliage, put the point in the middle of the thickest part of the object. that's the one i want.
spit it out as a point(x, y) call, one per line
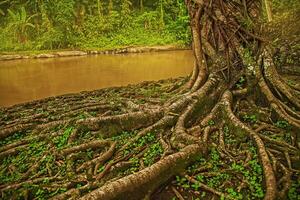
point(134, 165)
point(182, 181)
point(214, 155)
point(62, 140)
point(154, 151)
point(19, 23)
point(125, 12)
point(195, 186)
point(200, 178)
point(233, 194)
point(147, 139)
point(240, 82)
point(248, 59)
point(101, 168)
point(123, 137)
point(253, 175)
point(214, 159)
point(211, 122)
point(83, 24)
point(10, 139)
point(293, 193)
point(250, 118)
point(21, 162)
point(282, 124)
point(217, 180)
point(36, 149)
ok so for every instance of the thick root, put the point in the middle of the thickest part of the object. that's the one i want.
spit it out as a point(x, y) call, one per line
point(135, 186)
point(115, 124)
point(270, 179)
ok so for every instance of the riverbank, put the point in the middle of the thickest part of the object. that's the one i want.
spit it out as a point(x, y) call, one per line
point(4, 56)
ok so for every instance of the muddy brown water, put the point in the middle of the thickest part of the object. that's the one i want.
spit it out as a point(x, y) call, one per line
point(30, 79)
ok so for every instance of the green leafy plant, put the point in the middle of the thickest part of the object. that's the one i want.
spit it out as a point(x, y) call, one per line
point(195, 186)
point(293, 193)
point(134, 164)
point(240, 82)
point(282, 124)
point(154, 151)
point(182, 181)
point(200, 178)
point(211, 122)
point(252, 175)
point(62, 140)
point(250, 118)
point(233, 194)
point(20, 22)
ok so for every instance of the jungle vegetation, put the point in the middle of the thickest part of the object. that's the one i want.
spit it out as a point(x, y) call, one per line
point(91, 24)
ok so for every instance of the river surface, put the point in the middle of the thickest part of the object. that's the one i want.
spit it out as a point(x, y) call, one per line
point(31, 79)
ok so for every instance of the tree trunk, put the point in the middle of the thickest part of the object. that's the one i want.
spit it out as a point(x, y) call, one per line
point(142, 5)
point(268, 10)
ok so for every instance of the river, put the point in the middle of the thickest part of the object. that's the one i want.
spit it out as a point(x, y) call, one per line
point(30, 79)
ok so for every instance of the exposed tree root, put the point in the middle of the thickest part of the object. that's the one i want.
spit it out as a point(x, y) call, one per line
point(268, 171)
point(114, 124)
point(181, 130)
point(206, 188)
point(274, 102)
point(148, 178)
point(88, 145)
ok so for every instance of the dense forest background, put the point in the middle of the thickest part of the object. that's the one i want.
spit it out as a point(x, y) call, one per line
point(85, 24)
point(108, 24)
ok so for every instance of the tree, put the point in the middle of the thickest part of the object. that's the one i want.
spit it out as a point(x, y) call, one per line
point(225, 50)
point(141, 5)
point(1, 10)
point(161, 12)
point(110, 6)
point(233, 71)
point(125, 12)
point(99, 7)
point(268, 10)
point(20, 23)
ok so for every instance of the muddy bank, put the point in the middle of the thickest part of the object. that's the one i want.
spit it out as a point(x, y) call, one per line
point(5, 57)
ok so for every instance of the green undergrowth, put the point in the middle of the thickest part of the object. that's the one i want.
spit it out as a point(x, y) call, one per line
point(220, 173)
point(13, 168)
point(62, 140)
point(13, 138)
point(42, 151)
point(224, 176)
point(152, 152)
point(21, 162)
